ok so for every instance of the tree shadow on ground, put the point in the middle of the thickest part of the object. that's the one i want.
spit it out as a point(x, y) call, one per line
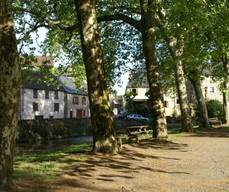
point(162, 145)
point(211, 132)
point(76, 173)
point(222, 131)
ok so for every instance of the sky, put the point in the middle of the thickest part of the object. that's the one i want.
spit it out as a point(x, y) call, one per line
point(121, 89)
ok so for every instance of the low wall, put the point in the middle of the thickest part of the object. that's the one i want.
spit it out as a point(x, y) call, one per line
point(123, 123)
point(31, 131)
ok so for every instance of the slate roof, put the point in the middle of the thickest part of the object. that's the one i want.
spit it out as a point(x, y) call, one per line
point(37, 80)
point(69, 86)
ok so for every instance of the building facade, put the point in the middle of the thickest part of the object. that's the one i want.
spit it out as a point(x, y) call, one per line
point(62, 100)
point(210, 90)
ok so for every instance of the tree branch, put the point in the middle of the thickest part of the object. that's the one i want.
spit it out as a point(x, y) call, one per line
point(49, 23)
point(133, 22)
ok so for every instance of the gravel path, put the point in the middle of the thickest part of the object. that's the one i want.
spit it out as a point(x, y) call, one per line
point(197, 162)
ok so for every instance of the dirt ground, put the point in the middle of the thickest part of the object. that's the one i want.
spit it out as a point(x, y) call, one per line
point(197, 162)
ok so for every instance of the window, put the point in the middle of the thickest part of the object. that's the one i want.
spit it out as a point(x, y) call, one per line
point(166, 104)
point(71, 113)
point(134, 91)
point(178, 101)
point(79, 113)
point(56, 95)
point(35, 107)
point(35, 93)
point(75, 100)
point(84, 113)
point(83, 100)
point(56, 107)
point(212, 90)
point(46, 94)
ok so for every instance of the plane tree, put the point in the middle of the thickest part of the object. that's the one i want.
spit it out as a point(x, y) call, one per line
point(140, 15)
point(205, 49)
point(169, 18)
point(78, 25)
point(9, 92)
point(50, 17)
point(218, 38)
point(183, 26)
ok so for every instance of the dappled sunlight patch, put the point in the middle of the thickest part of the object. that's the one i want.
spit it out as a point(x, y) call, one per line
point(45, 165)
point(134, 167)
point(44, 170)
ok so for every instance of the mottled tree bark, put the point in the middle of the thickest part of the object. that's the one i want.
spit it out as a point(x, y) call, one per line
point(225, 89)
point(202, 108)
point(9, 92)
point(176, 50)
point(101, 116)
point(186, 120)
point(156, 95)
point(225, 105)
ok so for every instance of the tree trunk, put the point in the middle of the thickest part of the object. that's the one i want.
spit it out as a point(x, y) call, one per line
point(176, 50)
point(225, 89)
point(156, 96)
point(101, 115)
point(225, 107)
point(9, 92)
point(202, 108)
point(186, 120)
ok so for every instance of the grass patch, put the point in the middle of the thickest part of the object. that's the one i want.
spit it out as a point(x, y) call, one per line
point(174, 130)
point(48, 163)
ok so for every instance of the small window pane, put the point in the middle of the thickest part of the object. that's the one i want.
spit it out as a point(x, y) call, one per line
point(75, 100)
point(83, 100)
point(166, 104)
point(35, 93)
point(56, 95)
point(212, 90)
point(134, 91)
point(56, 107)
point(79, 113)
point(35, 106)
point(46, 94)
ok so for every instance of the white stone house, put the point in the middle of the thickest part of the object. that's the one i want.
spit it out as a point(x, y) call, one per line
point(41, 103)
point(76, 101)
point(40, 100)
point(171, 102)
point(211, 90)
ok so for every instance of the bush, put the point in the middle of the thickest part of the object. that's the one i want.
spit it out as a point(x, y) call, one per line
point(215, 109)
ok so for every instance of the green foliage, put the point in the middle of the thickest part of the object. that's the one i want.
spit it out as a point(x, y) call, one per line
point(129, 96)
point(174, 114)
point(215, 109)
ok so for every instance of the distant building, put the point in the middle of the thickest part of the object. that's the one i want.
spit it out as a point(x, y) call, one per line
point(141, 103)
point(211, 90)
point(171, 102)
point(55, 98)
point(76, 101)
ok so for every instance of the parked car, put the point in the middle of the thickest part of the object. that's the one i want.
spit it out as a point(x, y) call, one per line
point(121, 115)
point(137, 117)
